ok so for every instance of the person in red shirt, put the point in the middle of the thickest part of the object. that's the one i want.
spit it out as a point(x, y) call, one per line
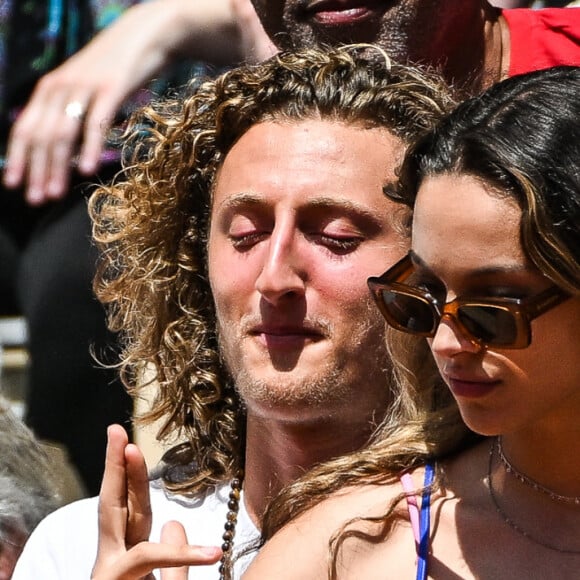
point(474, 43)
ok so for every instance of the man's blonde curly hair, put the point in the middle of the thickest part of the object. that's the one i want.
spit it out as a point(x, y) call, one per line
point(152, 227)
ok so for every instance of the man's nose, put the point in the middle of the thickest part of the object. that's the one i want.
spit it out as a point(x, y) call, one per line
point(283, 275)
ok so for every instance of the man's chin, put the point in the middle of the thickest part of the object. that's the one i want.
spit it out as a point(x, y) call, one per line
point(290, 390)
point(291, 360)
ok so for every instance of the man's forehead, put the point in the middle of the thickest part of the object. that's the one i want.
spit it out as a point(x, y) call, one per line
point(243, 200)
point(316, 133)
point(272, 147)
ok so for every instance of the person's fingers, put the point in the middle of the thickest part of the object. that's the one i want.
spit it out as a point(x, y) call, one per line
point(42, 142)
point(140, 560)
point(97, 124)
point(59, 170)
point(20, 145)
point(173, 533)
point(138, 499)
point(62, 140)
point(113, 494)
point(37, 175)
point(22, 137)
point(14, 170)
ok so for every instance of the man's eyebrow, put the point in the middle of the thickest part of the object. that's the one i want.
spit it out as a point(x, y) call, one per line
point(345, 205)
point(244, 199)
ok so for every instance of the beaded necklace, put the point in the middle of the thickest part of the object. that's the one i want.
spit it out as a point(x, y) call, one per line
point(225, 566)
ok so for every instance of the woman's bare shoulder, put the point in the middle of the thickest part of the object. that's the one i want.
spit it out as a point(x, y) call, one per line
point(302, 548)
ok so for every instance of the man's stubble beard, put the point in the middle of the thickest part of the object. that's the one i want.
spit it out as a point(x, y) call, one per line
point(336, 382)
point(397, 36)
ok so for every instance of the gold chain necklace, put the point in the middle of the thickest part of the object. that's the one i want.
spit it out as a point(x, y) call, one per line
point(572, 499)
point(516, 527)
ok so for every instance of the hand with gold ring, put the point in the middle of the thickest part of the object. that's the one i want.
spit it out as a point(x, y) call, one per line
point(72, 107)
point(42, 142)
point(63, 126)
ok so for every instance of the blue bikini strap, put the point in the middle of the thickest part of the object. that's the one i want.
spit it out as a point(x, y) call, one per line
point(425, 524)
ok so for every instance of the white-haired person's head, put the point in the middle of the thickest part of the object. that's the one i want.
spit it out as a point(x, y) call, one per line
point(28, 489)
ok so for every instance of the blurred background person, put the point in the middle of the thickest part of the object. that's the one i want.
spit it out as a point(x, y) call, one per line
point(28, 487)
point(59, 94)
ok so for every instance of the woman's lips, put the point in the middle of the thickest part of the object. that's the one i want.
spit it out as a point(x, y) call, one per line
point(337, 12)
point(471, 389)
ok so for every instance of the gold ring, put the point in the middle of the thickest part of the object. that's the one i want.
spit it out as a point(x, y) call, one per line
point(74, 110)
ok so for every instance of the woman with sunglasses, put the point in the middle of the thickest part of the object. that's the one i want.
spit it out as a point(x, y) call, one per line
point(486, 457)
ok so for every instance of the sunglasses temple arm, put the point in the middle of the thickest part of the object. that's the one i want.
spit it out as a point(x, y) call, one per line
point(545, 301)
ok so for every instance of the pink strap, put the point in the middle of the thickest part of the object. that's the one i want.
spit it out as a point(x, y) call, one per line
point(412, 506)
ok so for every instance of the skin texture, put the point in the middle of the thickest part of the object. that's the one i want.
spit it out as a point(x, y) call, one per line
point(490, 261)
point(428, 31)
point(534, 403)
point(292, 220)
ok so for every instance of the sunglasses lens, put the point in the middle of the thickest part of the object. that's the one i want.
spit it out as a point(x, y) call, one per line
point(408, 313)
point(490, 324)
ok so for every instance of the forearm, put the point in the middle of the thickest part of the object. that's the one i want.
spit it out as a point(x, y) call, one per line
point(123, 57)
point(197, 29)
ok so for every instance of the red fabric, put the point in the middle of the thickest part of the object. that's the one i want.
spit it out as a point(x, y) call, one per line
point(543, 38)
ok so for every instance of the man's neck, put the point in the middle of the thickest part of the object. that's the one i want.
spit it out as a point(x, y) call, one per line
point(496, 54)
point(278, 452)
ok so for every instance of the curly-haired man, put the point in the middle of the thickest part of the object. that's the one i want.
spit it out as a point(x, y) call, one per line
point(236, 251)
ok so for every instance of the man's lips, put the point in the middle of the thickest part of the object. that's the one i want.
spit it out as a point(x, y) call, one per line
point(343, 12)
point(285, 335)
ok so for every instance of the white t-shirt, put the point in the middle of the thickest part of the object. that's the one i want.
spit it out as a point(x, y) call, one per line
point(64, 545)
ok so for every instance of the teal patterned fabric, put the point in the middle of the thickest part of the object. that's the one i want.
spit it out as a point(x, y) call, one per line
point(38, 35)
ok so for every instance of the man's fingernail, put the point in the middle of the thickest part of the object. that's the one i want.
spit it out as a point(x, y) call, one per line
point(211, 551)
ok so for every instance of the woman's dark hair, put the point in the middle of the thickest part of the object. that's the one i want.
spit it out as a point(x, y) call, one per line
point(522, 137)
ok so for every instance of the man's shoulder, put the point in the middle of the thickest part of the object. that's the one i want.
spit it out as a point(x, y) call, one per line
point(211, 503)
point(203, 514)
point(213, 498)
